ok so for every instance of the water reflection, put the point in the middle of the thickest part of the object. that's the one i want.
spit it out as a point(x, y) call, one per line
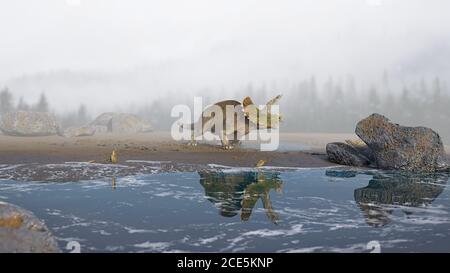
point(113, 183)
point(235, 193)
point(389, 190)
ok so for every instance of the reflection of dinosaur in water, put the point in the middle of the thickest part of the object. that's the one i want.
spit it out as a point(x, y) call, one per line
point(239, 192)
point(387, 189)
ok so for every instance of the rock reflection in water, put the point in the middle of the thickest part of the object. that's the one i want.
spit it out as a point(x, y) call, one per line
point(389, 189)
point(239, 192)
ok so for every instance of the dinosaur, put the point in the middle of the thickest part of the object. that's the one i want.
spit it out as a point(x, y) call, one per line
point(247, 117)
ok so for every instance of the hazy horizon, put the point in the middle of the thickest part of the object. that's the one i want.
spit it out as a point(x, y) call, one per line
point(106, 53)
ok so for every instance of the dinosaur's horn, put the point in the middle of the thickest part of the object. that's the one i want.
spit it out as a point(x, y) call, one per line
point(274, 100)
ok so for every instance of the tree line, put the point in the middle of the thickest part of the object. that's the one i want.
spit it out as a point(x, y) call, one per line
point(75, 118)
point(331, 106)
point(6, 103)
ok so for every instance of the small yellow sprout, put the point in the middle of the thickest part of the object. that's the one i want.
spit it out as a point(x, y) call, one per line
point(260, 163)
point(114, 158)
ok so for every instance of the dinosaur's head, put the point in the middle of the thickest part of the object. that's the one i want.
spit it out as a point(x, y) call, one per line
point(264, 117)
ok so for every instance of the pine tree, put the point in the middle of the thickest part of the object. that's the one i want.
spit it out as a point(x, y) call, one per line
point(22, 105)
point(437, 95)
point(386, 87)
point(42, 105)
point(374, 100)
point(6, 101)
point(82, 114)
point(405, 104)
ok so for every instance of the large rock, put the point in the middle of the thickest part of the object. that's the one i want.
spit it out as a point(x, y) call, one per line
point(344, 154)
point(128, 123)
point(120, 123)
point(104, 120)
point(80, 131)
point(23, 123)
point(400, 147)
point(21, 231)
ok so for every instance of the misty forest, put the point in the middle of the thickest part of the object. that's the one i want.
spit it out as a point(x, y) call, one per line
point(330, 106)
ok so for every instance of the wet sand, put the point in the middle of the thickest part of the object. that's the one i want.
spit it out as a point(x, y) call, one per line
point(158, 146)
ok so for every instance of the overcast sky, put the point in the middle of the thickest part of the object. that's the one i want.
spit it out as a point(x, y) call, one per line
point(215, 42)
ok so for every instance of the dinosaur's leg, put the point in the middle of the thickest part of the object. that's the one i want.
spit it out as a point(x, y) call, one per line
point(193, 142)
point(248, 203)
point(235, 141)
point(267, 204)
point(225, 143)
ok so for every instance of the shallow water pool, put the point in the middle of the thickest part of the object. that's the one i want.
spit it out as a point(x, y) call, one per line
point(238, 210)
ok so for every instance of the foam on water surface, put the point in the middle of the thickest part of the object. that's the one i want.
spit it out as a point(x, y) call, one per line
point(223, 208)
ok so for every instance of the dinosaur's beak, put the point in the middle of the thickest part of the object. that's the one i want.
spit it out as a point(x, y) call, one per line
point(274, 100)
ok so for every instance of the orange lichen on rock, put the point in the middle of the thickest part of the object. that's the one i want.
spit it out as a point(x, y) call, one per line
point(14, 221)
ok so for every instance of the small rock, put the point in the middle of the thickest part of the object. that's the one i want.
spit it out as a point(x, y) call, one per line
point(344, 154)
point(79, 131)
point(363, 149)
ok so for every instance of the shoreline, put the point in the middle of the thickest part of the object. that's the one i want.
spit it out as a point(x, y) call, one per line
point(305, 150)
point(155, 146)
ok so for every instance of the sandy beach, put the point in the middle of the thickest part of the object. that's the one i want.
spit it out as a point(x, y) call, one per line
point(158, 146)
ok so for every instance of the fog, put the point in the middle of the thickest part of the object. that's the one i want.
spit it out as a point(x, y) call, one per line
point(145, 56)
